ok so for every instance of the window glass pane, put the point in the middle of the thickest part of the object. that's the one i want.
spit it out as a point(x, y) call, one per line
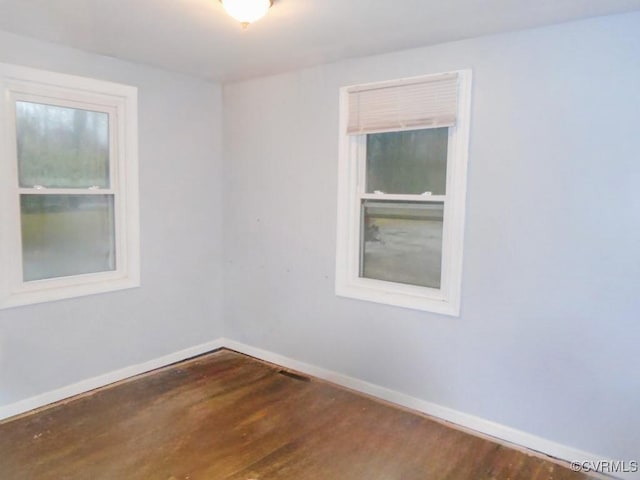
point(62, 147)
point(411, 162)
point(65, 235)
point(402, 242)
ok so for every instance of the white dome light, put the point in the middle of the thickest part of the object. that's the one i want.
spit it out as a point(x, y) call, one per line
point(246, 11)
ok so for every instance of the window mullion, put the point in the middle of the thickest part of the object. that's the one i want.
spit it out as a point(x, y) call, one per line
point(66, 191)
point(404, 198)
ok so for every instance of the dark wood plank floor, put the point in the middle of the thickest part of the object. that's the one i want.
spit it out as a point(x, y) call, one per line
point(225, 416)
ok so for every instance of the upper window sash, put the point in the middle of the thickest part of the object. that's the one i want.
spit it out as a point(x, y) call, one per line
point(113, 157)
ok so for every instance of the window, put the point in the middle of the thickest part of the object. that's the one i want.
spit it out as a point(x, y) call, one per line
point(401, 199)
point(68, 186)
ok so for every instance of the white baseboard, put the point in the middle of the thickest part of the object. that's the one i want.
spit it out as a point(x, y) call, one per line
point(84, 386)
point(497, 431)
point(479, 425)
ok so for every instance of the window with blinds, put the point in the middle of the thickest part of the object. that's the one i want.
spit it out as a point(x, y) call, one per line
point(428, 102)
point(402, 189)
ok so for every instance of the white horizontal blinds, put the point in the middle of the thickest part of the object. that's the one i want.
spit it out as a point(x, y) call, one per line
point(427, 102)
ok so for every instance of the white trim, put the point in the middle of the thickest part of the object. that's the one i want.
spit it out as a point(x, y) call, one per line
point(89, 384)
point(501, 433)
point(404, 198)
point(349, 283)
point(120, 102)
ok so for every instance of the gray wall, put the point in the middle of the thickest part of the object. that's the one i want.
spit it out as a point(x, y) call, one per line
point(548, 338)
point(179, 305)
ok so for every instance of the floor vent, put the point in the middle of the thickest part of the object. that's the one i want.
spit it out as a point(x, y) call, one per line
point(295, 376)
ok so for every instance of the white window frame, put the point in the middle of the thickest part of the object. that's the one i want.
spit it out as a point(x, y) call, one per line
point(121, 103)
point(351, 192)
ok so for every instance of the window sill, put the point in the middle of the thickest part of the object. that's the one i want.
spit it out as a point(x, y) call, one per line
point(44, 294)
point(406, 296)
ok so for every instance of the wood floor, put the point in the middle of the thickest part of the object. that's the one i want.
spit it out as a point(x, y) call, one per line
point(225, 416)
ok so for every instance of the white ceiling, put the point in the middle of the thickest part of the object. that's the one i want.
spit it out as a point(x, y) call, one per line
point(196, 37)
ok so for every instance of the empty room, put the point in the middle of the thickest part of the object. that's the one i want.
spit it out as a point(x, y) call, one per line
point(304, 239)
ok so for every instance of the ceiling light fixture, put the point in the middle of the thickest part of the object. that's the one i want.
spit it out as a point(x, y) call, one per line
point(247, 11)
